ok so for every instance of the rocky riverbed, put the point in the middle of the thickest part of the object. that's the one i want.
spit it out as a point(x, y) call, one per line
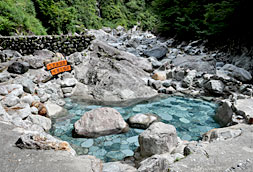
point(124, 67)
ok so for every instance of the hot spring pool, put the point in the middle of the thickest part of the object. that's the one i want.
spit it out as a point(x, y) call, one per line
point(191, 117)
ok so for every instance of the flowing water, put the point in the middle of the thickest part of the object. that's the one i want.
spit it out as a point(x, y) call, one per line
point(191, 117)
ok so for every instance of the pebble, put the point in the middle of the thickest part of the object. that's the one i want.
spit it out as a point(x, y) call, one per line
point(128, 152)
point(132, 139)
point(88, 143)
point(186, 121)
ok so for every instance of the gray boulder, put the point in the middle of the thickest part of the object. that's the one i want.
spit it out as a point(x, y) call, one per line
point(3, 91)
point(222, 133)
point(75, 58)
point(188, 80)
point(112, 75)
point(215, 86)
point(42, 160)
point(44, 53)
point(15, 89)
point(18, 68)
point(159, 138)
point(10, 100)
point(142, 121)
point(158, 163)
point(100, 122)
point(236, 72)
point(53, 109)
point(35, 62)
point(68, 82)
point(244, 108)
point(4, 77)
point(28, 85)
point(42, 121)
point(158, 52)
point(224, 113)
point(28, 98)
point(22, 110)
point(40, 75)
point(7, 55)
point(199, 63)
point(3, 114)
point(244, 61)
point(44, 141)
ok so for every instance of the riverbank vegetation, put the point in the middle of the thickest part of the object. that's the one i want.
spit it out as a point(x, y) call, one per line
point(185, 19)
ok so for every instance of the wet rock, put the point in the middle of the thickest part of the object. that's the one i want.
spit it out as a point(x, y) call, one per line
point(215, 86)
point(100, 122)
point(157, 139)
point(158, 52)
point(18, 68)
point(236, 72)
point(42, 121)
point(244, 108)
point(118, 167)
point(142, 121)
point(224, 113)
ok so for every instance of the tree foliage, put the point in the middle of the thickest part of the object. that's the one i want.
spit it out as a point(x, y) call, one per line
point(18, 17)
point(186, 19)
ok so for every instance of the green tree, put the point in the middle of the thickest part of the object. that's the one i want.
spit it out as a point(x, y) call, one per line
point(18, 17)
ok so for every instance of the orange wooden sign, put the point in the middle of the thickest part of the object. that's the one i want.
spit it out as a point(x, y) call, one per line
point(60, 70)
point(56, 64)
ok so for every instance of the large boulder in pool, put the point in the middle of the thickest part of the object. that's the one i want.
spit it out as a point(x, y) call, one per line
point(109, 75)
point(142, 121)
point(100, 122)
point(159, 138)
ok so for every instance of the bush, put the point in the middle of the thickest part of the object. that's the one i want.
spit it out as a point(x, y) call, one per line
point(18, 17)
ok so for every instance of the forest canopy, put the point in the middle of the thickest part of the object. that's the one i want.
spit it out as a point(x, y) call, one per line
point(185, 19)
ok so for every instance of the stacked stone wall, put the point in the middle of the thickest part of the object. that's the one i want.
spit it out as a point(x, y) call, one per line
point(65, 44)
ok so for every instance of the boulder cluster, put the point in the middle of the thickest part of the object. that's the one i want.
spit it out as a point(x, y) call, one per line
point(125, 66)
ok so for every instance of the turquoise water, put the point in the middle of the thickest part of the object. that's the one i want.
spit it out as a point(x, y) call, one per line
point(191, 117)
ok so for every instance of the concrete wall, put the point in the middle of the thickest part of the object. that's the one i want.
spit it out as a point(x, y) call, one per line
point(65, 44)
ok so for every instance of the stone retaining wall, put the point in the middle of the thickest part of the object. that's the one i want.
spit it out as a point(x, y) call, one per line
point(65, 44)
